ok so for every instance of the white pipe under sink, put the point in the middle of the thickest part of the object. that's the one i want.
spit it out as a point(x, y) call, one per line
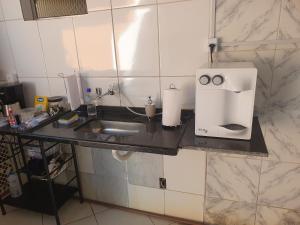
point(121, 155)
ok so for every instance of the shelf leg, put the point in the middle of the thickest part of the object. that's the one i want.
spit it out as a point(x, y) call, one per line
point(15, 162)
point(49, 182)
point(77, 173)
point(24, 158)
point(3, 211)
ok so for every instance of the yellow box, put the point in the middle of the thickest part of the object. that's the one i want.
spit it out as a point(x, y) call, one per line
point(41, 103)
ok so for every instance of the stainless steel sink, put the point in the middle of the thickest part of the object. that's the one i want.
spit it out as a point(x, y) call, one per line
point(111, 127)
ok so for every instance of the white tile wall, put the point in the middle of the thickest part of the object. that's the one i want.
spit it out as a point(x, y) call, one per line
point(190, 178)
point(27, 49)
point(135, 91)
point(94, 5)
point(147, 199)
point(183, 205)
point(183, 32)
point(1, 13)
point(95, 44)
point(11, 9)
point(7, 65)
point(34, 86)
point(127, 3)
point(105, 84)
point(128, 42)
point(59, 46)
point(85, 160)
point(57, 86)
point(187, 87)
point(136, 34)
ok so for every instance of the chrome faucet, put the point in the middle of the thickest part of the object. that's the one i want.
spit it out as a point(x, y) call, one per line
point(110, 91)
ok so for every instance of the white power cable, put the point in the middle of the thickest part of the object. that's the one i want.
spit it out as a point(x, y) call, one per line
point(212, 27)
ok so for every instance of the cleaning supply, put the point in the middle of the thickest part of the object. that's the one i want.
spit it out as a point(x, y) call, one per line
point(14, 185)
point(68, 118)
point(150, 108)
point(41, 103)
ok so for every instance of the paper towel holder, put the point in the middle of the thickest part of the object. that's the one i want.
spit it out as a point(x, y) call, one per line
point(171, 117)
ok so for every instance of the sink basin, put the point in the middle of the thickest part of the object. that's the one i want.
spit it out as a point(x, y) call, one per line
point(111, 127)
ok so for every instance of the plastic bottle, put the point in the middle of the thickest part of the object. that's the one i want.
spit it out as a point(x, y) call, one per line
point(14, 185)
point(90, 102)
point(11, 118)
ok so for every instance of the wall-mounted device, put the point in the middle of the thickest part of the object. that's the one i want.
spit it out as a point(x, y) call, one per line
point(225, 94)
point(35, 9)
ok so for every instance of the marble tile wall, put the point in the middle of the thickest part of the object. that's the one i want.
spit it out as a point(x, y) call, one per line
point(276, 195)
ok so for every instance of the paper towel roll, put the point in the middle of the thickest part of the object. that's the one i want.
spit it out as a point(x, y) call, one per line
point(172, 104)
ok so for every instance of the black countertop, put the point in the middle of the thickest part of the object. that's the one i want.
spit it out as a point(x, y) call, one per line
point(255, 146)
point(152, 138)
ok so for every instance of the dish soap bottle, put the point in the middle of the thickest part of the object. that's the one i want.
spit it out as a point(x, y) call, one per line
point(150, 108)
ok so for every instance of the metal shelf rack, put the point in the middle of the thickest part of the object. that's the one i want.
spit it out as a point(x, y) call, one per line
point(40, 194)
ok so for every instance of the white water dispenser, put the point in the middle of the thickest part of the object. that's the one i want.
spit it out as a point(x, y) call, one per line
point(225, 94)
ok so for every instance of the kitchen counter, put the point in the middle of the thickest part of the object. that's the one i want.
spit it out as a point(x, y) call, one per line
point(151, 138)
point(256, 146)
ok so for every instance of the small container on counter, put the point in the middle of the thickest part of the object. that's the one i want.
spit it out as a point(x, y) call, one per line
point(56, 105)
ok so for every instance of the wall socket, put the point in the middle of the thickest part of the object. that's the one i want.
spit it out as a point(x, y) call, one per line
point(215, 42)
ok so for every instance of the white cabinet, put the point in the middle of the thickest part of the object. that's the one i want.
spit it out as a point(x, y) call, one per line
point(184, 205)
point(186, 171)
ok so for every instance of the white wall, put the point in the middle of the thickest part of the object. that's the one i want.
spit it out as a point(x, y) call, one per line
point(142, 46)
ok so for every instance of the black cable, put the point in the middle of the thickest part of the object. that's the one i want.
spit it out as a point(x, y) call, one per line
point(212, 48)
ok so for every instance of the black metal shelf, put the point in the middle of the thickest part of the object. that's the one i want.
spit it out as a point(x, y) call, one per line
point(36, 197)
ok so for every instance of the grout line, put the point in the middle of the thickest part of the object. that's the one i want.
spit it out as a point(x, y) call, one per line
point(10, 47)
point(257, 195)
point(43, 54)
point(205, 184)
point(94, 214)
point(279, 19)
point(151, 220)
point(159, 56)
point(115, 52)
point(274, 57)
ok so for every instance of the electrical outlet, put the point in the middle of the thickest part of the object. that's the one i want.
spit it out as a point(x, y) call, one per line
point(213, 41)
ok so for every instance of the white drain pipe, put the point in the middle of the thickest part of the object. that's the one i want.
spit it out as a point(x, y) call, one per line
point(121, 155)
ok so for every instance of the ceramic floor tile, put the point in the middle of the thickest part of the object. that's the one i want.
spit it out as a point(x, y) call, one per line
point(72, 211)
point(21, 217)
point(97, 208)
point(87, 221)
point(161, 221)
point(118, 217)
